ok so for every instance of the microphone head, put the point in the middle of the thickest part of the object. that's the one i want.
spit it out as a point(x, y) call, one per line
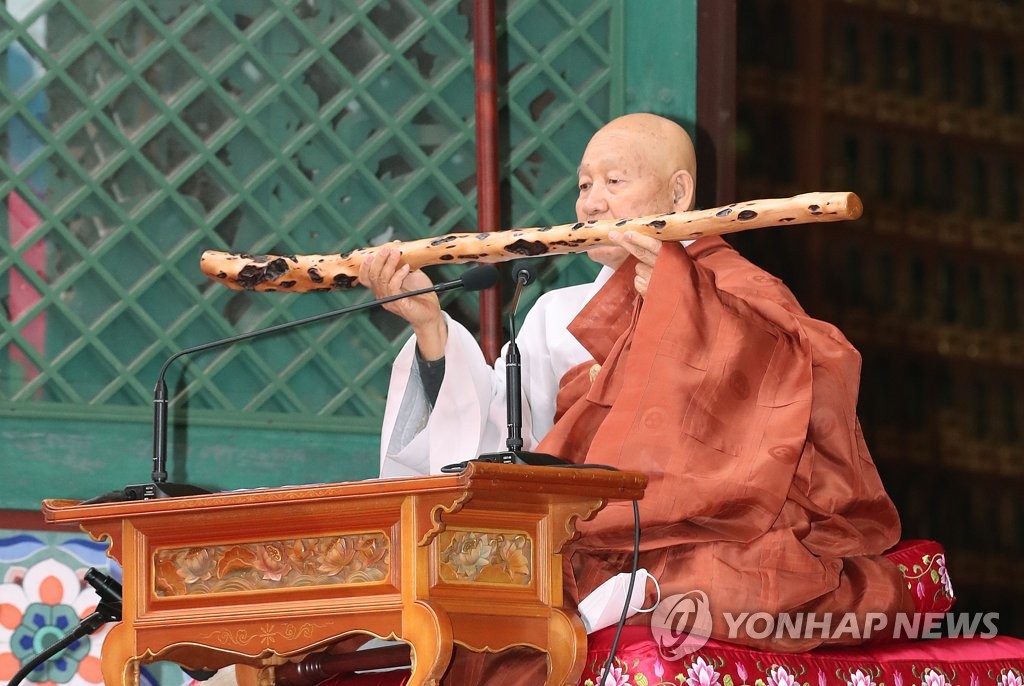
point(479, 278)
point(525, 275)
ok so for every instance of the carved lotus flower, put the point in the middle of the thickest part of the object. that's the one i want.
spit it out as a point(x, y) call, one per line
point(512, 557)
point(338, 556)
point(195, 565)
point(271, 561)
point(467, 554)
point(367, 550)
point(301, 555)
point(168, 578)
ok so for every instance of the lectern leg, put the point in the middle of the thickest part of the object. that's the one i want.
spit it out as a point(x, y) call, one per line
point(567, 649)
point(429, 631)
point(117, 660)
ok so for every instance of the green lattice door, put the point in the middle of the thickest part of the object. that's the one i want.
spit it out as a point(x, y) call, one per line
point(137, 134)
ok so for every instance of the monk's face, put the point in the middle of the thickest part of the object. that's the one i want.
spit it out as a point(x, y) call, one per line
point(621, 177)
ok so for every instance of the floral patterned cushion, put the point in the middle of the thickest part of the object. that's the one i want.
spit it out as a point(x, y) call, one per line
point(978, 661)
point(997, 661)
point(923, 564)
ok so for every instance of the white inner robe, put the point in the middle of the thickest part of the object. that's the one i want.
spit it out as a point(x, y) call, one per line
point(469, 416)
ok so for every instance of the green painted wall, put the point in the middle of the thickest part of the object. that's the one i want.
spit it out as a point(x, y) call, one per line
point(661, 59)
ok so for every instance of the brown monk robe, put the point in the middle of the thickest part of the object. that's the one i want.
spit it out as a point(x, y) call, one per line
point(741, 409)
point(739, 406)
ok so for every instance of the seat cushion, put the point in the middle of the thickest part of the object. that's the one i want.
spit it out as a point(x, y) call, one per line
point(923, 564)
point(997, 661)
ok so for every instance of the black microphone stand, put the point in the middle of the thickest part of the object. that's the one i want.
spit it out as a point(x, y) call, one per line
point(477, 278)
point(514, 453)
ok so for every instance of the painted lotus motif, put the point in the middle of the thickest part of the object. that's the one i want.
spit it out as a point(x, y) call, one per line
point(355, 558)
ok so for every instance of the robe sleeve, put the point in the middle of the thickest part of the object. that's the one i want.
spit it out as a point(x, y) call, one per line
point(416, 440)
point(712, 401)
point(742, 411)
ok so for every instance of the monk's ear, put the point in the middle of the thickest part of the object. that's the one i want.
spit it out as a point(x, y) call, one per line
point(682, 190)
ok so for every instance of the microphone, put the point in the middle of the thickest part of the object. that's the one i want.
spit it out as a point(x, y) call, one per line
point(514, 453)
point(514, 369)
point(475, 279)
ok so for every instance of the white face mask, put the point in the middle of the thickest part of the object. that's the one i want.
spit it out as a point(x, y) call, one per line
point(603, 607)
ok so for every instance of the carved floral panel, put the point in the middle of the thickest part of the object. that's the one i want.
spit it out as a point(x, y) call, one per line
point(496, 557)
point(357, 558)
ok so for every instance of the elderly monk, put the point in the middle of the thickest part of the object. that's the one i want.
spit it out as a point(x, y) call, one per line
point(689, 364)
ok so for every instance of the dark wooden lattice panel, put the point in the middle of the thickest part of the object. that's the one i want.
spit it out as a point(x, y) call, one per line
point(917, 108)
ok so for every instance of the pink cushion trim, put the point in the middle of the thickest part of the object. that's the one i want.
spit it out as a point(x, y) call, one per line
point(948, 649)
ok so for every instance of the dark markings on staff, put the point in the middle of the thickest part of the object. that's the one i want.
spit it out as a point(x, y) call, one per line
point(314, 275)
point(344, 281)
point(530, 248)
point(253, 275)
point(657, 224)
point(746, 215)
point(442, 240)
point(724, 213)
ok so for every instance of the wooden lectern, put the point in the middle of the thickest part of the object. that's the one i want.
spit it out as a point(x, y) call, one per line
point(266, 577)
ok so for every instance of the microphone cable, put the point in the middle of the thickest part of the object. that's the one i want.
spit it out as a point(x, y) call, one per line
point(603, 675)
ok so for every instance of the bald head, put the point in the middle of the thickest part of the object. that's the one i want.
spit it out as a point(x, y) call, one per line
point(665, 145)
point(635, 166)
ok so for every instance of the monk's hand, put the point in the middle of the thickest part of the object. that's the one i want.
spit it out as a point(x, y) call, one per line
point(645, 250)
point(383, 273)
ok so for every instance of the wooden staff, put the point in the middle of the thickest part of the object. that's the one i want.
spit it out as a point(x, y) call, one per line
point(307, 273)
